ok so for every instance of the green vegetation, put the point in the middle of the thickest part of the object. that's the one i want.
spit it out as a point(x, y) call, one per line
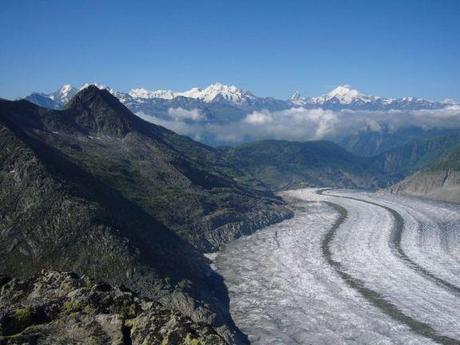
point(72, 306)
point(22, 314)
point(190, 340)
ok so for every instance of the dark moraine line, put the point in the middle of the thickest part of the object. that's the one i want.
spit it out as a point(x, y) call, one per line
point(395, 245)
point(372, 296)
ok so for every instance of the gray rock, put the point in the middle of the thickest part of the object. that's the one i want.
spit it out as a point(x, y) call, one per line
point(64, 308)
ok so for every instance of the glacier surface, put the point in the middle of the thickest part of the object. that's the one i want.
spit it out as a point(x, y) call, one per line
point(284, 290)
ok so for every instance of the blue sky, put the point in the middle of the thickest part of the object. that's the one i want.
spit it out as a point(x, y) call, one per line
point(388, 48)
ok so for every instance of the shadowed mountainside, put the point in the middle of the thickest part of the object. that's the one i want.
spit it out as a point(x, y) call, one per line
point(286, 164)
point(96, 190)
point(416, 155)
point(282, 165)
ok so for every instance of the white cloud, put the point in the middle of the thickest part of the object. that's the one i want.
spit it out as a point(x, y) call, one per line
point(302, 124)
point(258, 117)
point(185, 114)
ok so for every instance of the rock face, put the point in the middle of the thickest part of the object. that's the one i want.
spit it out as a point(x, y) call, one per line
point(64, 308)
point(436, 185)
point(439, 181)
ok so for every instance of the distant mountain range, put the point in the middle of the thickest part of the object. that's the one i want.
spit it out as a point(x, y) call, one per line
point(342, 97)
point(394, 147)
point(142, 99)
point(345, 97)
point(227, 115)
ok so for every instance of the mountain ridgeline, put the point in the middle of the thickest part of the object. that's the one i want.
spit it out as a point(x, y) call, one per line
point(284, 165)
point(95, 189)
point(373, 143)
point(215, 115)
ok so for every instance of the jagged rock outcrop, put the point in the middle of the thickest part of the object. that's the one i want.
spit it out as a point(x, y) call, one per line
point(64, 308)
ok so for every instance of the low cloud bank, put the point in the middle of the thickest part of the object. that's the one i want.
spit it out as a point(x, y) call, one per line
point(302, 124)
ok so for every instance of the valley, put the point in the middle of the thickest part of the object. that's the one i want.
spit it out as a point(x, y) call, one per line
point(93, 189)
point(229, 172)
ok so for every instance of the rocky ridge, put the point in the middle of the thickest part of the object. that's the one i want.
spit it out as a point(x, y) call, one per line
point(64, 308)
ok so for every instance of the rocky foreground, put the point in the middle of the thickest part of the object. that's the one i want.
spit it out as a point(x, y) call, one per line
point(64, 308)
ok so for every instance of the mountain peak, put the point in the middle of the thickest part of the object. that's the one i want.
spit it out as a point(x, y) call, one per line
point(97, 110)
point(65, 89)
point(344, 93)
point(64, 94)
point(296, 96)
point(219, 91)
point(91, 97)
point(99, 86)
point(215, 91)
point(87, 92)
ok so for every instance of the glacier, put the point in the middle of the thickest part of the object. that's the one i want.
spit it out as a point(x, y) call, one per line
point(333, 275)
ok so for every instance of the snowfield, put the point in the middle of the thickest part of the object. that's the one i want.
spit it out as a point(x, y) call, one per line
point(349, 268)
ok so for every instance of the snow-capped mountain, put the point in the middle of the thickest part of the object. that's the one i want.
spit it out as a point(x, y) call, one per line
point(219, 114)
point(220, 92)
point(59, 98)
point(344, 94)
point(64, 94)
point(342, 97)
point(213, 93)
point(54, 100)
point(346, 97)
point(141, 93)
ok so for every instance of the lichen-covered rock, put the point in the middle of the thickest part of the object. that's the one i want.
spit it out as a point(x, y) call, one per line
point(64, 308)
